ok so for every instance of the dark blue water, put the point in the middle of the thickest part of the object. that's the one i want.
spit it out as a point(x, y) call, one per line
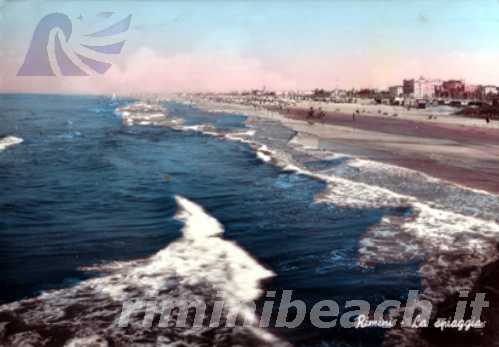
point(84, 189)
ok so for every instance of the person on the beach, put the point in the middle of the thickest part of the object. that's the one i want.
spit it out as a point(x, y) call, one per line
point(487, 119)
point(353, 116)
point(321, 114)
point(310, 115)
point(356, 113)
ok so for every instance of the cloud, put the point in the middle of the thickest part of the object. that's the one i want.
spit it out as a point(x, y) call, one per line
point(147, 71)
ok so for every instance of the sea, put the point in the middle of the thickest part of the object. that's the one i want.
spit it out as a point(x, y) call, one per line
point(106, 201)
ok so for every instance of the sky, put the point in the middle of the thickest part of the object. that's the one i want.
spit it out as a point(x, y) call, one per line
point(205, 45)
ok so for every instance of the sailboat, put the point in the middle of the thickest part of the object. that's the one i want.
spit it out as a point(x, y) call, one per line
point(114, 99)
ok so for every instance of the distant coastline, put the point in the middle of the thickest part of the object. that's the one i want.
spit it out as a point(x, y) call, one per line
point(457, 149)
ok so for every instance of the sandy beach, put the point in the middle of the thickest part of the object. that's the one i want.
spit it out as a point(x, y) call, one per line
point(456, 149)
point(439, 115)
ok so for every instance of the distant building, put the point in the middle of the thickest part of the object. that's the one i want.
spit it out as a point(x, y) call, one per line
point(396, 91)
point(425, 88)
point(421, 88)
point(339, 93)
point(454, 89)
point(321, 95)
point(486, 91)
point(472, 91)
point(382, 97)
point(408, 87)
point(366, 93)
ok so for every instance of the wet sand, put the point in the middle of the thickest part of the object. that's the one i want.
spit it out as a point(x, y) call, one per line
point(465, 155)
point(423, 128)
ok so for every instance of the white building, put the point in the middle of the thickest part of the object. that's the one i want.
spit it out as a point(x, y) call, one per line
point(396, 91)
point(425, 88)
point(489, 90)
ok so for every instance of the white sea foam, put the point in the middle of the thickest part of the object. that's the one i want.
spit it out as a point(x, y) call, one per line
point(9, 141)
point(93, 340)
point(263, 156)
point(197, 127)
point(225, 262)
point(200, 256)
point(141, 113)
point(195, 267)
point(206, 129)
point(264, 153)
point(197, 223)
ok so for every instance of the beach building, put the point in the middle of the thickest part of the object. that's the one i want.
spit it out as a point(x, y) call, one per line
point(367, 93)
point(408, 87)
point(487, 91)
point(453, 89)
point(339, 93)
point(420, 88)
point(472, 91)
point(425, 88)
point(396, 91)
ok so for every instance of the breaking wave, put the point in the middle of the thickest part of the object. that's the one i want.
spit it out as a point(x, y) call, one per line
point(141, 113)
point(200, 265)
point(9, 141)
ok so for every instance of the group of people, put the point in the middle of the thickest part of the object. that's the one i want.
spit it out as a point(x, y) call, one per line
point(320, 114)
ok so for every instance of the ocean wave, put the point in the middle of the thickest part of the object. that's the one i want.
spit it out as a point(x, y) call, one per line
point(200, 266)
point(9, 141)
point(205, 129)
point(145, 114)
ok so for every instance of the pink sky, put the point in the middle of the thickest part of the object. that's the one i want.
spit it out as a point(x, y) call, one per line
point(147, 71)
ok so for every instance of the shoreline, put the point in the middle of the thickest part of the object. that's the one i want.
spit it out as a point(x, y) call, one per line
point(463, 155)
